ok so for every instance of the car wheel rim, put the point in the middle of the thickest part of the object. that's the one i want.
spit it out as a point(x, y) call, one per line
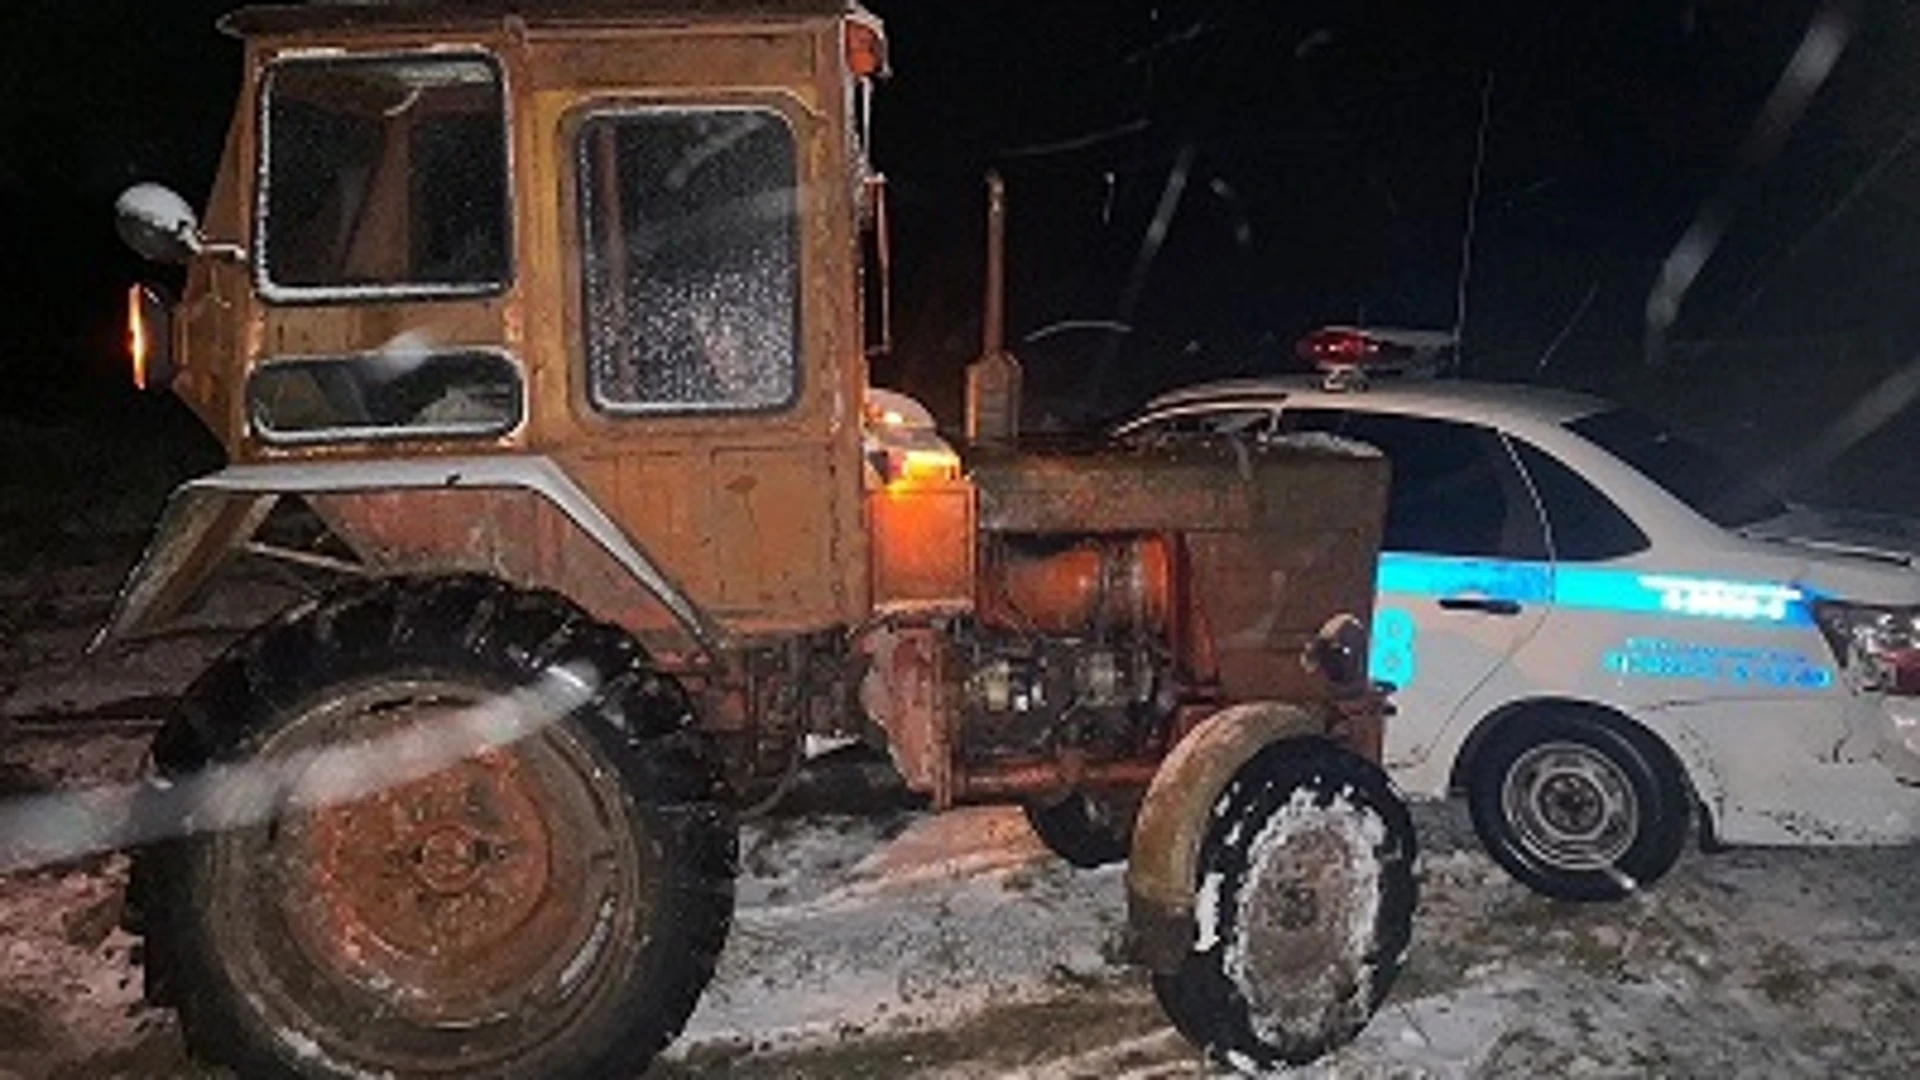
point(1571, 806)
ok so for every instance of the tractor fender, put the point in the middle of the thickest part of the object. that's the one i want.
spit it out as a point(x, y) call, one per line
point(206, 519)
point(1163, 865)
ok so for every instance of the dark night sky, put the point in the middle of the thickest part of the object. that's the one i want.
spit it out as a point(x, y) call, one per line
point(1330, 148)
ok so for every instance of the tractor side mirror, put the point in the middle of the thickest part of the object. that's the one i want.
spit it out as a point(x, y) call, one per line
point(158, 224)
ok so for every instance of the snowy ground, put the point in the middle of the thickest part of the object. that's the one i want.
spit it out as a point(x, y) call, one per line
point(901, 945)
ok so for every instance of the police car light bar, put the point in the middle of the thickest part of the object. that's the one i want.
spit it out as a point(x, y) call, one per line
point(1349, 355)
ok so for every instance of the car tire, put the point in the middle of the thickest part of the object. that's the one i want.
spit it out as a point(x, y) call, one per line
point(1085, 831)
point(547, 906)
point(1578, 805)
point(1304, 909)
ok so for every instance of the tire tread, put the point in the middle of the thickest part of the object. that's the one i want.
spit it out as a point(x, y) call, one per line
point(641, 720)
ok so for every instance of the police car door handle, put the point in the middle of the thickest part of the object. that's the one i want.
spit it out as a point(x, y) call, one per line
point(1490, 605)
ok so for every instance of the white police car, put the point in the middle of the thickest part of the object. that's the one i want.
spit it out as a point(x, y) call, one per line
point(1597, 629)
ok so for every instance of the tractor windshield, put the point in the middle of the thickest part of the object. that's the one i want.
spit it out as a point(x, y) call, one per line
point(382, 176)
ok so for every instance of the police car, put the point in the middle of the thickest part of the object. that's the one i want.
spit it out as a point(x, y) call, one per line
point(1597, 630)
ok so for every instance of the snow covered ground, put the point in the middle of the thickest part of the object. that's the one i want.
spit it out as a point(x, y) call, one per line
point(899, 944)
point(1747, 964)
point(954, 947)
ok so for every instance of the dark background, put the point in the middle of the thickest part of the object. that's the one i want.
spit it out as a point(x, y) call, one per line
point(1328, 152)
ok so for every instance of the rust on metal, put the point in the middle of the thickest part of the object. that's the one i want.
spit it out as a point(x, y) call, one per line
point(1020, 781)
point(923, 546)
point(1272, 541)
point(431, 885)
point(993, 336)
point(760, 515)
point(446, 897)
point(510, 533)
point(907, 694)
point(765, 520)
point(443, 15)
point(1026, 621)
point(994, 380)
point(1360, 722)
point(1205, 486)
point(1163, 868)
point(1265, 597)
point(1099, 488)
point(1120, 583)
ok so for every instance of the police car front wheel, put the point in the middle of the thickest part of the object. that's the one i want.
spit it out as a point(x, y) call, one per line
point(1578, 805)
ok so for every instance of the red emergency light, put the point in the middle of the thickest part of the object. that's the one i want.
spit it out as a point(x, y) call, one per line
point(1338, 345)
point(1349, 354)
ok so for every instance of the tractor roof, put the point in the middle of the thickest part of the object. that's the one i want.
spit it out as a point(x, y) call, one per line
point(336, 16)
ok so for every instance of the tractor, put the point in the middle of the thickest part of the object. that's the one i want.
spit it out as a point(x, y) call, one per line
point(554, 320)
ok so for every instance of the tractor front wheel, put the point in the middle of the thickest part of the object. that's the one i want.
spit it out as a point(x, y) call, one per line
point(1303, 908)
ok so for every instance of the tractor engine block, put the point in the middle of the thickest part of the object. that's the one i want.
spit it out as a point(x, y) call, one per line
point(1032, 697)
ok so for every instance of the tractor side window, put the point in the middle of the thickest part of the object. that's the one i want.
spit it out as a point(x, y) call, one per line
point(690, 230)
point(1455, 487)
point(385, 395)
point(1583, 524)
point(382, 177)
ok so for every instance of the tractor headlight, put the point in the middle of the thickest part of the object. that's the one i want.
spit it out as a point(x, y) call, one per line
point(1339, 652)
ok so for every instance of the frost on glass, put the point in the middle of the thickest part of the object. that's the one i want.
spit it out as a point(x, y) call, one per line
point(688, 218)
point(390, 394)
point(384, 175)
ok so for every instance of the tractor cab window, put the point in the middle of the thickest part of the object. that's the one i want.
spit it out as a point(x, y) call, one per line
point(391, 394)
point(690, 241)
point(382, 176)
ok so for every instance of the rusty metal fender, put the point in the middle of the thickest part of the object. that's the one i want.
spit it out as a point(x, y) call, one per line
point(1163, 866)
point(199, 529)
point(207, 518)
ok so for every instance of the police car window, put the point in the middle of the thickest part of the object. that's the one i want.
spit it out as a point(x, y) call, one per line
point(1215, 422)
point(1688, 471)
point(1583, 525)
point(1455, 490)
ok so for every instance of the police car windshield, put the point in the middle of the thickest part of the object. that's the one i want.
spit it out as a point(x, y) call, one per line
point(1688, 471)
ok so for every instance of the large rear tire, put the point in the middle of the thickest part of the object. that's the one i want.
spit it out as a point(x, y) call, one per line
point(1304, 909)
point(551, 907)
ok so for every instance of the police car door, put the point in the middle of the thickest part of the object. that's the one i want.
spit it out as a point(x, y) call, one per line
point(1464, 574)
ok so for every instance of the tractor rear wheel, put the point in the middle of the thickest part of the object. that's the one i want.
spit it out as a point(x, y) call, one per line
point(547, 905)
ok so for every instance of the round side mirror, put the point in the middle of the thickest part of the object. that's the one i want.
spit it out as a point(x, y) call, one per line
point(157, 223)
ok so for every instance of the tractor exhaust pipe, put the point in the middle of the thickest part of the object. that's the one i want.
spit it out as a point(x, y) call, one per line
point(993, 381)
